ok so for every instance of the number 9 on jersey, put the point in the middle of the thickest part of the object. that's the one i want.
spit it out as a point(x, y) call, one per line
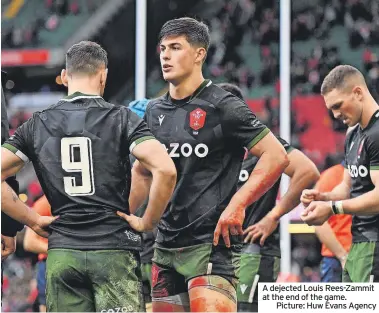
point(76, 154)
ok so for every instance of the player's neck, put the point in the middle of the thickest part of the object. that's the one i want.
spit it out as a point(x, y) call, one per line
point(187, 87)
point(368, 112)
point(84, 87)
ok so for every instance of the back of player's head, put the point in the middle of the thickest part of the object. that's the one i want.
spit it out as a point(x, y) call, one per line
point(341, 78)
point(233, 89)
point(86, 57)
point(195, 32)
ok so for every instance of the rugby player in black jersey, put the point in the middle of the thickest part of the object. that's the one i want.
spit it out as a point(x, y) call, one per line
point(260, 258)
point(206, 131)
point(80, 150)
point(346, 94)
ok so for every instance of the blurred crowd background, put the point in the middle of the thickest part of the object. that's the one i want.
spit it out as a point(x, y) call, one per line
point(244, 50)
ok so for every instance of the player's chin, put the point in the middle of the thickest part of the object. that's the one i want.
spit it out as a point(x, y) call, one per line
point(350, 123)
point(170, 77)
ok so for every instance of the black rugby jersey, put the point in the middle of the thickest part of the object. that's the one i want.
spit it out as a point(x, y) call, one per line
point(80, 151)
point(206, 136)
point(361, 157)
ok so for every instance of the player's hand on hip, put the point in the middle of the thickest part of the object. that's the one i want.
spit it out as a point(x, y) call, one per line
point(262, 230)
point(309, 195)
point(8, 246)
point(316, 213)
point(135, 222)
point(230, 222)
point(42, 225)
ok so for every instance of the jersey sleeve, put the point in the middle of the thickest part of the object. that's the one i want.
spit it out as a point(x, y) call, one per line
point(137, 130)
point(373, 150)
point(285, 144)
point(21, 142)
point(239, 124)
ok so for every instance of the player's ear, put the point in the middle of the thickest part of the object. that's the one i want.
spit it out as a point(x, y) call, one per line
point(201, 53)
point(103, 77)
point(358, 93)
point(64, 77)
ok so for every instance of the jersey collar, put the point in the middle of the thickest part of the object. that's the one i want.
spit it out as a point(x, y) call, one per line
point(78, 95)
point(203, 85)
point(374, 117)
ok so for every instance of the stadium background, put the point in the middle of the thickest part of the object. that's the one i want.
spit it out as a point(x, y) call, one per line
point(244, 50)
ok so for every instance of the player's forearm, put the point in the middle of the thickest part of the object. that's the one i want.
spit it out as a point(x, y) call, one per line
point(33, 243)
point(302, 179)
point(326, 235)
point(366, 204)
point(162, 187)
point(139, 190)
point(15, 208)
point(265, 174)
point(340, 192)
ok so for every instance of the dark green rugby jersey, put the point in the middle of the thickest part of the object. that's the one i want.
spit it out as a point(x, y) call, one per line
point(361, 157)
point(80, 151)
point(259, 209)
point(206, 136)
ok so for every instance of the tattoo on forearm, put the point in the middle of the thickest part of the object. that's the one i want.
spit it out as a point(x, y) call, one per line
point(14, 196)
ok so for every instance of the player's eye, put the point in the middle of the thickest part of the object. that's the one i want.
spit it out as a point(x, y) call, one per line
point(336, 106)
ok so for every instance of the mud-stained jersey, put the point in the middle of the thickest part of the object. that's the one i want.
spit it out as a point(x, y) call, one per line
point(80, 151)
point(205, 135)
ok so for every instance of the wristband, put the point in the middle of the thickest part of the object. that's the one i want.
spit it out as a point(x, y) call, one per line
point(339, 207)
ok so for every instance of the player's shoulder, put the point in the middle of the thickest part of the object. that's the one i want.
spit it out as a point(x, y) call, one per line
point(219, 97)
point(373, 128)
point(81, 101)
point(33, 117)
point(156, 102)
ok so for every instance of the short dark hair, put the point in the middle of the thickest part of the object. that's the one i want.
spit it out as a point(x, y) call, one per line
point(233, 89)
point(85, 57)
point(337, 78)
point(196, 32)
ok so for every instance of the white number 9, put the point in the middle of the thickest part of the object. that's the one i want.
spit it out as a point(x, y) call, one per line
point(83, 146)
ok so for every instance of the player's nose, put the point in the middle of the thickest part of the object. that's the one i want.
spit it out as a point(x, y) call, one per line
point(336, 114)
point(165, 55)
